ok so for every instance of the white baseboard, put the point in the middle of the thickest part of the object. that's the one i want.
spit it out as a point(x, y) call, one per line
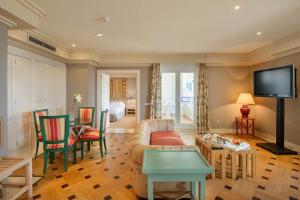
point(271, 138)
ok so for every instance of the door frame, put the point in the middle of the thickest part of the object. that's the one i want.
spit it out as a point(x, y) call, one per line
point(138, 87)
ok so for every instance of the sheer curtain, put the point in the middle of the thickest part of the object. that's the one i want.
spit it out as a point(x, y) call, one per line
point(155, 111)
point(203, 124)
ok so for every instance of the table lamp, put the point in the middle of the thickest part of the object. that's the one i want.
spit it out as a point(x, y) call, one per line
point(245, 99)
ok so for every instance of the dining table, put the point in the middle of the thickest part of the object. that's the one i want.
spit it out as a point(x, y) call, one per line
point(77, 126)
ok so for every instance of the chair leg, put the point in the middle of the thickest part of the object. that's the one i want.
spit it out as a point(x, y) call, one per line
point(66, 160)
point(82, 149)
point(89, 145)
point(51, 156)
point(101, 148)
point(104, 141)
point(45, 161)
point(74, 152)
point(37, 148)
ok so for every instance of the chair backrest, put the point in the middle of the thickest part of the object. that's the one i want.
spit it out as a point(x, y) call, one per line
point(55, 129)
point(36, 118)
point(103, 121)
point(86, 115)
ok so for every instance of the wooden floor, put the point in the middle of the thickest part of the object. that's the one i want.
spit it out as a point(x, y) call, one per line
point(110, 178)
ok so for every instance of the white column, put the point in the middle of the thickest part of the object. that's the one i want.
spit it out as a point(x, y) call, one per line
point(3, 88)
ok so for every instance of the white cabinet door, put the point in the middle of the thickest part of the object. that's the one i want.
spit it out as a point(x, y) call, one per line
point(61, 90)
point(21, 100)
point(50, 88)
point(37, 85)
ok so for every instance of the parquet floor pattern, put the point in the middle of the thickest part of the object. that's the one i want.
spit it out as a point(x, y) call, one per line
point(110, 178)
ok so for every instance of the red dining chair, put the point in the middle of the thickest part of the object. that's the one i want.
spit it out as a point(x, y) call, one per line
point(93, 135)
point(55, 130)
point(39, 137)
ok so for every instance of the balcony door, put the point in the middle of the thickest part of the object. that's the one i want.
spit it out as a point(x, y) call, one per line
point(178, 94)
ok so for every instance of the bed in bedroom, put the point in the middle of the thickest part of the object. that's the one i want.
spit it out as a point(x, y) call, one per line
point(116, 111)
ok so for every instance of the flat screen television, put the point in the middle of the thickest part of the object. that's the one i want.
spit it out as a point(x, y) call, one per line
point(277, 82)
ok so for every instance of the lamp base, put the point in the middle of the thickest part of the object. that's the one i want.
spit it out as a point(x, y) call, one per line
point(245, 110)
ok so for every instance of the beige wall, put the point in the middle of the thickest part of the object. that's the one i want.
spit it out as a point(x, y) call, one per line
point(265, 108)
point(145, 84)
point(131, 88)
point(81, 78)
point(224, 86)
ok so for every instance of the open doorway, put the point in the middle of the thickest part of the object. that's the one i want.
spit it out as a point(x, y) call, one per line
point(123, 98)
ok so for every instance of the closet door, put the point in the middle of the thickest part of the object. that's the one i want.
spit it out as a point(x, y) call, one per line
point(61, 90)
point(50, 88)
point(37, 86)
point(21, 113)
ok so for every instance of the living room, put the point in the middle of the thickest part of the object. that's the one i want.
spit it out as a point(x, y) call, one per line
point(149, 99)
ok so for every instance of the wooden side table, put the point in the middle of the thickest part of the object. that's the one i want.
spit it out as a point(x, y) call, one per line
point(130, 110)
point(244, 160)
point(244, 125)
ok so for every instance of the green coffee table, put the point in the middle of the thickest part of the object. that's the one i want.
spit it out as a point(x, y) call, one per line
point(176, 166)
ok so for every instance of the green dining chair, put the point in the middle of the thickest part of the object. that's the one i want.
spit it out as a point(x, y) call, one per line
point(55, 131)
point(86, 115)
point(38, 132)
point(93, 135)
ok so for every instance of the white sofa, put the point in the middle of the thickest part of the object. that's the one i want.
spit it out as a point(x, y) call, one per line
point(142, 142)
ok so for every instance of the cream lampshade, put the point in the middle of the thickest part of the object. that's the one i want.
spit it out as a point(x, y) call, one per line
point(245, 99)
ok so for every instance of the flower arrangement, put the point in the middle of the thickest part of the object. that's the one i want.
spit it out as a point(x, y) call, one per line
point(77, 98)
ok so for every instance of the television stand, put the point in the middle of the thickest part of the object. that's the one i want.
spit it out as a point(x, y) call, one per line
point(278, 148)
point(272, 147)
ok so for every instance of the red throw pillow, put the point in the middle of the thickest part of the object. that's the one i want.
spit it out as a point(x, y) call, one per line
point(158, 134)
point(167, 141)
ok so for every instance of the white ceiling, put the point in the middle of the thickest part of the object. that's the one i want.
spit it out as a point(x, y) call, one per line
point(169, 26)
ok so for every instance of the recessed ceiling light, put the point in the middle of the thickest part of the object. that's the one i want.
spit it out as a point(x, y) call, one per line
point(73, 45)
point(258, 33)
point(99, 34)
point(237, 7)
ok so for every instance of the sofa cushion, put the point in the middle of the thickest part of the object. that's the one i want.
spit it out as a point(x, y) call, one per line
point(167, 141)
point(158, 134)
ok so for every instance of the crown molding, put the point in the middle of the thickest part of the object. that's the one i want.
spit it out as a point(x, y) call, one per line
point(211, 59)
point(83, 55)
point(89, 62)
point(18, 12)
point(33, 7)
point(8, 22)
point(277, 49)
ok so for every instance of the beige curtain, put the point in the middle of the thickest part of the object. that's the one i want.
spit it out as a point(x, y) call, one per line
point(117, 89)
point(155, 112)
point(203, 125)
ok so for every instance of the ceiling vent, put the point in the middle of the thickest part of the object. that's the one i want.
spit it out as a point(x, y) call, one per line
point(41, 43)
